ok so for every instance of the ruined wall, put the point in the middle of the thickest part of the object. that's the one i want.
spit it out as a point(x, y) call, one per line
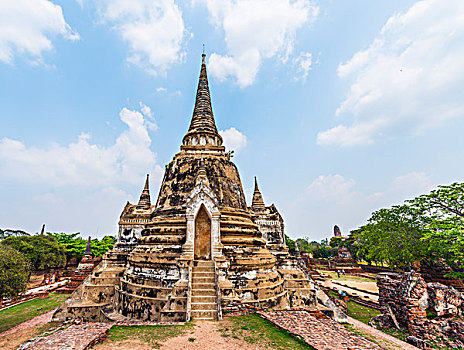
point(429, 311)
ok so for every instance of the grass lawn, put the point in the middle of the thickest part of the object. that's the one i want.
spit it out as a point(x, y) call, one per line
point(20, 313)
point(360, 312)
point(254, 329)
point(152, 335)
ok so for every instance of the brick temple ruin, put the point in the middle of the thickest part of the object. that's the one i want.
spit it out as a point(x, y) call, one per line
point(430, 312)
point(199, 250)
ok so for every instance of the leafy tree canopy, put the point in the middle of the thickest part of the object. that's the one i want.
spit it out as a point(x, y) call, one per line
point(392, 236)
point(42, 251)
point(9, 232)
point(14, 272)
point(427, 228)
point(290, 244)
point(442, 213)
point(75, 245)
point(336, 242)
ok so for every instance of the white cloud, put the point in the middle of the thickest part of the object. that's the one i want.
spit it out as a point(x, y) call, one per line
point(83, 163)
point(330, 186)
point(81, 186)
point(334, 200)
point(149, 118)
point(27, 26)
point(154, 31)
point(409, 79)
point(304, 63)
point(233, 139)
point(255, 30)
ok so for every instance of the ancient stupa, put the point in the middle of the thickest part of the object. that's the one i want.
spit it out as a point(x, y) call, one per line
point(200, 250)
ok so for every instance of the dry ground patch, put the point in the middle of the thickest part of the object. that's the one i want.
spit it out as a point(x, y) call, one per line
point(249, 332)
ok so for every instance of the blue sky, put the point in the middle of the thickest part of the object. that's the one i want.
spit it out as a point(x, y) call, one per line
point(338, 107)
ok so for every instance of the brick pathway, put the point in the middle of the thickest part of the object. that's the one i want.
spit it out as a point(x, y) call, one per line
point(75, 337)
point(38, 320)
point(322, 333)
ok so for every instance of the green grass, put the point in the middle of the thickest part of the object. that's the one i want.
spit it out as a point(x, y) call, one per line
point(366, 335)
point(254, 329)
point(20, 313)
point(360, 312)
point(152, 335)
point(397, 333)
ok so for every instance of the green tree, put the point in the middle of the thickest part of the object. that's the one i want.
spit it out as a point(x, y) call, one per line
point(336, 242)
point(73, 244)
point(14, 272)
point(324, 252)
point(392, 236)
point(442, 212)
point(101, 247)
point(9, 232)
point(42, 251)
point(290, 244)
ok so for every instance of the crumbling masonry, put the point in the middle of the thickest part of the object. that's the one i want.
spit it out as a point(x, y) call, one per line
point(431, 312)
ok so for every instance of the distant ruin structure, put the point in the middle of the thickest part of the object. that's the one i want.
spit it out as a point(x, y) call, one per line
point(199, 250)
point(337, 232)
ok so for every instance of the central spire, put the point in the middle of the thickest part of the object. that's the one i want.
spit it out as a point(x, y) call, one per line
point(202, 132)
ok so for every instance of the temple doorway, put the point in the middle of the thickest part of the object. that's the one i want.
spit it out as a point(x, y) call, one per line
point(202, 245)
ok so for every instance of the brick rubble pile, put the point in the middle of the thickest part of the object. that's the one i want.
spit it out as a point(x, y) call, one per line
point(431, 312)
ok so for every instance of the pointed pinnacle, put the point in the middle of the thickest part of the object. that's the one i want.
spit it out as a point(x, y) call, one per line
point(88, 249)
point(146, 182)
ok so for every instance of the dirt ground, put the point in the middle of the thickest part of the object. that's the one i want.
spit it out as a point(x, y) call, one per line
point(35, 280)
point(349, 291)
point(205, 335)
point(369, 286)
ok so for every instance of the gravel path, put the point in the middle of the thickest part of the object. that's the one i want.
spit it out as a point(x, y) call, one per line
point(394, 343)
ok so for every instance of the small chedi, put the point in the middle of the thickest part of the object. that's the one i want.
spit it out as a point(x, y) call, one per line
point(84, 268)
point(199, 250)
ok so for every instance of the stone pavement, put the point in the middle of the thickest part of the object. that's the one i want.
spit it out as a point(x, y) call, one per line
point(321, 333)
point(75, 337)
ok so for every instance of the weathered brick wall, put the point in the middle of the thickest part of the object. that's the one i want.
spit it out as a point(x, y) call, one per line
point(406, 298)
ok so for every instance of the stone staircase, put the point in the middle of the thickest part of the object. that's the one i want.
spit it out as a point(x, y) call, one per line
point(93, 297)
point(203, 292)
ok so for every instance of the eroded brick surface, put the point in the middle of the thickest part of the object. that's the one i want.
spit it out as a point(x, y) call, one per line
point(75, 337)
point(321, 333)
